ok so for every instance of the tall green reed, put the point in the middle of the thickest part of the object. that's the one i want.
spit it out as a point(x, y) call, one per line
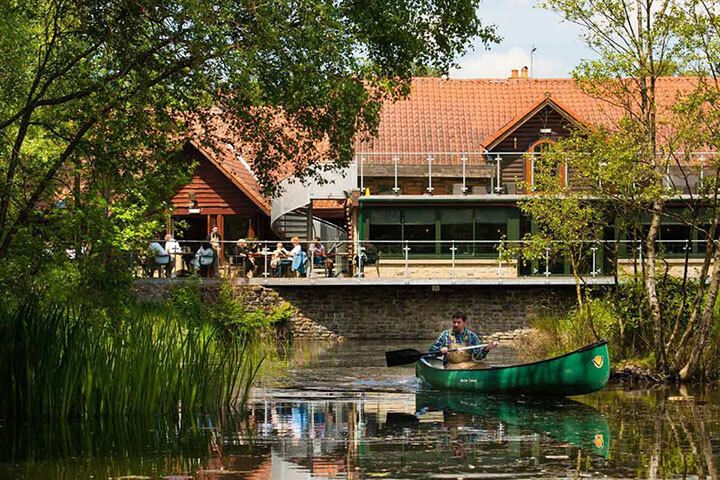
point(56, 361)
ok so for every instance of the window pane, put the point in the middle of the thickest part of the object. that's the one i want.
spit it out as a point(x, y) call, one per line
point(420, 232)
point(489, 231)
point(457, 224)
point(677, 234)
point(386, 238)
point(491, 215)
point(385, 225)
point(419, 216)
point(384, 215)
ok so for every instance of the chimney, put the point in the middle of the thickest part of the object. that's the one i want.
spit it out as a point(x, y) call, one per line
point(524, 72)
point(514, 73)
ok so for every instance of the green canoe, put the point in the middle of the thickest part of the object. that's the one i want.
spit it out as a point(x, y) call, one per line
point(563, 419)
point(585, 370)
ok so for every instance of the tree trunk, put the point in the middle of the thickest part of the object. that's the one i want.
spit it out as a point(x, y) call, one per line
point(651, 284)
point(583, 306)
point(701, 338)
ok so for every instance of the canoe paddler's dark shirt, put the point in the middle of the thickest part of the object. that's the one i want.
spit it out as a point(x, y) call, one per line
point(467, 337)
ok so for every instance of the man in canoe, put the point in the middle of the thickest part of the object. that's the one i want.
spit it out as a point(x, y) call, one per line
point(460, 336)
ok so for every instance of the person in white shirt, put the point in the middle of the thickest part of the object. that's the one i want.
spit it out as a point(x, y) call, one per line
point(297, 256)
point(172, 247)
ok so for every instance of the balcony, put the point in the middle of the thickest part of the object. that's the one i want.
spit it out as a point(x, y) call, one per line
point(486, 175)
point(458, 262)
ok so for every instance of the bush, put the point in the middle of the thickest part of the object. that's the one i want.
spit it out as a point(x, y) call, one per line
point(619, 316)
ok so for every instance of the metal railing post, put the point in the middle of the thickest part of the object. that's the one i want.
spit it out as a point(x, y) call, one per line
point(266, 273)
point(430, 187)
point(406, 249)
point(464, 178)
point(452, 249)
point(396, 188)
point(362, 175)
point(547, 262)
point(500, 262)
point(361, 272)
point(594, 268)
point(498, 180)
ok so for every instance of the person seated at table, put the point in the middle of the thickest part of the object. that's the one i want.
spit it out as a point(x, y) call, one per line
point(245, 258)
point(173, 249)
point(317, 252)
point(279, 255)
point(298, 257)
point(205, 259)
point(160, 260)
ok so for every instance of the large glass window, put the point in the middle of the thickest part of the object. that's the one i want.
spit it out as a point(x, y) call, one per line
point(457, 225)
point(419, 229)
point(674, 238)
point(385, 224)
point(430, 231)
point(490, 227)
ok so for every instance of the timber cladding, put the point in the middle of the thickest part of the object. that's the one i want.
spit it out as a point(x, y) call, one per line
point(214, 193)
point(407, 312)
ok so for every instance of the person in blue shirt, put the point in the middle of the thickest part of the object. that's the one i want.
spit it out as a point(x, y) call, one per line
point(460, 336)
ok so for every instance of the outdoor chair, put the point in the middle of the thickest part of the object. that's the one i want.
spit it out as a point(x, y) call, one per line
point(236, 264)
point(157, 263)
point(282, 267)
point(369, 258)
point(457, 189)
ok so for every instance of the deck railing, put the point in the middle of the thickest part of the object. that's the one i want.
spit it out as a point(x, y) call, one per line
point(419, 259)
point(486, 173)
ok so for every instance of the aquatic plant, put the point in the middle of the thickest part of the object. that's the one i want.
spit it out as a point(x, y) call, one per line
point(55, 360)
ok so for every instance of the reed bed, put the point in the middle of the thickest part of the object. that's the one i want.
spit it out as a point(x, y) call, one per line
point(56, 361)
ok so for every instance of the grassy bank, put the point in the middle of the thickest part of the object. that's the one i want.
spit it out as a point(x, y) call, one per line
point(619, 316)
point(71, 360)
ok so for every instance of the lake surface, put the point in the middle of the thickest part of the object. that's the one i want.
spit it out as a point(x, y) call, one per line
point(334, 411)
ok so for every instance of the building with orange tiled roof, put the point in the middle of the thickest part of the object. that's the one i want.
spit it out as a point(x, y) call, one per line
point(447, 164)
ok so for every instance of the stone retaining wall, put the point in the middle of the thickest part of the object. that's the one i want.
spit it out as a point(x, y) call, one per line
point(405, 311)
point(396, 311)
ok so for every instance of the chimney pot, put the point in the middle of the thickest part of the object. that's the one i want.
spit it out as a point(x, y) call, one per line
point(514, 73)
point(524, 72)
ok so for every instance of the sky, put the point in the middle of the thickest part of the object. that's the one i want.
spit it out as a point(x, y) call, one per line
point(521, 24)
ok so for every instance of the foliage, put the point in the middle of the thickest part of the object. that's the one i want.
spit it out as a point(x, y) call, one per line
point(619, 317)
point(57, 359)
point(100, 96)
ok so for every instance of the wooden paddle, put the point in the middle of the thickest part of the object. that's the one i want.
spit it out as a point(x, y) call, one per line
point(407, 356)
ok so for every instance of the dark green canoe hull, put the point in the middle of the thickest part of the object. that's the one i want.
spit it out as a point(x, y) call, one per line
point(585, 370)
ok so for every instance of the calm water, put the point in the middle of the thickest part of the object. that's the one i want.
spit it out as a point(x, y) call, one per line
point(334, 411)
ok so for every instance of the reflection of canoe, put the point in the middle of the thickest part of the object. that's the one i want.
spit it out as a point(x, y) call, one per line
point(583, 371)
point(562, 419)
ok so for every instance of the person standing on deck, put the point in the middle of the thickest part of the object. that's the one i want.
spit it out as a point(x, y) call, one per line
point(460, 336)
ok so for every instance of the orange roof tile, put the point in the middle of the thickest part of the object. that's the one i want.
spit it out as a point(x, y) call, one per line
point(456, 116)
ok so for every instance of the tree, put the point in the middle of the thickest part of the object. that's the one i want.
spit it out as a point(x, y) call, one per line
point(98, 95)
point(634, 42)
point(567, 220)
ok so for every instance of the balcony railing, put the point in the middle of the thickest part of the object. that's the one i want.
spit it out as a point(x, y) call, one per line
point(490, 173)
point(409, 259)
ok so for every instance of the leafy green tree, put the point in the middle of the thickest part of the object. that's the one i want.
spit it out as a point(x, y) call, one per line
point(99, 95)
point(635, 42)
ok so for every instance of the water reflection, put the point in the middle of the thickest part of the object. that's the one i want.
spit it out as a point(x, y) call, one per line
point(563, 419)
point(354, 418)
